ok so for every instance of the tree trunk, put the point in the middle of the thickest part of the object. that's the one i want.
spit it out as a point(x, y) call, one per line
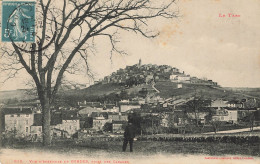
point(46, 120)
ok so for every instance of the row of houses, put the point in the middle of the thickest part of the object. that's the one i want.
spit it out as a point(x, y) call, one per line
point(121, 106)
point(26, 122)
point(179, 118)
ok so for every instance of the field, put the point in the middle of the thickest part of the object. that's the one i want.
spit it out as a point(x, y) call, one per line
point(150, 151)
point(157, 144)
point(175, 147)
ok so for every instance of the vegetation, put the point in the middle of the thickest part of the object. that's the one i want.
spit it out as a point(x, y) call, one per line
point(151, 147)
point(108, 127)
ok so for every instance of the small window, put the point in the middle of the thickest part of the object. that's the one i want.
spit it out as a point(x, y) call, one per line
point(18, 115)
point(26, 129)
point(12, 115)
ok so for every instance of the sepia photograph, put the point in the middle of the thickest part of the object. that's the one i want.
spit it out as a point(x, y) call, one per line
point(129, 81)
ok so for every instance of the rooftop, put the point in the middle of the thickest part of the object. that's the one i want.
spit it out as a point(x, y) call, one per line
point(17, 110)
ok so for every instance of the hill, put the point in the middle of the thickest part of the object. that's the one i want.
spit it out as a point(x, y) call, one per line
point(167, 89)
point(141, 81)
point(16, 95)
point(160, 80)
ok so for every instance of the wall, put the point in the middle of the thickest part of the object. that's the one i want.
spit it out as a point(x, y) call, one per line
point(20, 122)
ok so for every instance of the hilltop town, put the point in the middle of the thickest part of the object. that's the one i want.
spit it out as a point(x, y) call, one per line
point(140, 74)
point(160, 99)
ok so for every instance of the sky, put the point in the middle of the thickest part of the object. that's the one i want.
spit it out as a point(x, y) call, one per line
point(200, 42)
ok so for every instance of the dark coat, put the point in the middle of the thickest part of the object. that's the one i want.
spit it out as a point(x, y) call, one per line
point(129, 132)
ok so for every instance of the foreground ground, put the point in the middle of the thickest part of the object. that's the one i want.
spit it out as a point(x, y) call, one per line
point(144, 152)
point(158, 152)
point(97, 156)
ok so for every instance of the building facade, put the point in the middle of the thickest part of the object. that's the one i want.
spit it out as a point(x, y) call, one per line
point(18, 120)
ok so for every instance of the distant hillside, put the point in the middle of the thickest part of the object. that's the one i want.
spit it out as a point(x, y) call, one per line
point(249, 92)
point(169, 89)
point(20, 94)
point(101, 92)
point(95, 90)
point(163, 80)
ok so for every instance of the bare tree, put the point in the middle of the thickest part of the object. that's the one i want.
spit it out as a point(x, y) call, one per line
point(198, 107)
point(216, 124)
point(250, 104)
point(67, 34)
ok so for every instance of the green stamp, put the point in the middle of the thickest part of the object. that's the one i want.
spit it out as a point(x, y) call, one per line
point(18, 21)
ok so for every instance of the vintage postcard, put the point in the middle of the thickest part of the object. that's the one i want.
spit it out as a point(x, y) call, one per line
point(129, 81)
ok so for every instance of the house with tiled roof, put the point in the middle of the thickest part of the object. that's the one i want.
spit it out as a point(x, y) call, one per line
point(111, 108)
point(180, 78)
point(235, 104)
point(117, 116)
point(219, 103)
point(226, 115)
point(63, 124)
point(70, 122)
point(99, 122)
point(18, 120)
point(89, 110)
point(36, 128)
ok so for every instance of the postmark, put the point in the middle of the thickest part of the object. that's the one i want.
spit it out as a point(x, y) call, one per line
point(18, 21)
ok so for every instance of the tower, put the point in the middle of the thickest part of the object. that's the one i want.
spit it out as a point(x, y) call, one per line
point(140, 62)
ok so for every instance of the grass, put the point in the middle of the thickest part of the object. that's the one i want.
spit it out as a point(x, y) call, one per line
point(96, 90)
point(167, 89)
point(149, 148)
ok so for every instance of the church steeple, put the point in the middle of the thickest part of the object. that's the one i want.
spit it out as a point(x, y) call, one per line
point(140, 63)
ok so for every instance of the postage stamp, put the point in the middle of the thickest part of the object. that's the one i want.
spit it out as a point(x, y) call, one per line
point(18, 21)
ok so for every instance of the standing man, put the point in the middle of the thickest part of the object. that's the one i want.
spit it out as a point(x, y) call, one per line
point(129, 136)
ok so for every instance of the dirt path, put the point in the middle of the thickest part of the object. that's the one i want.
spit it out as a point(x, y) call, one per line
point(235, 130)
